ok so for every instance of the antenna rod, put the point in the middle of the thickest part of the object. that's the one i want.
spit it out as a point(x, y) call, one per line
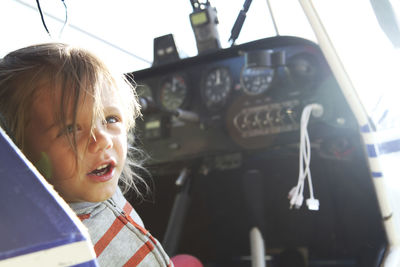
point(237, 27)
point(87, 33)
point(272, 17)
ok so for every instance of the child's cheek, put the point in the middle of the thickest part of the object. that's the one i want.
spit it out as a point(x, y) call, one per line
point(44, 166)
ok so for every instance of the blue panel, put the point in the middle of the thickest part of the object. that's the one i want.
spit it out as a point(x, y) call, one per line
point(365, 128)
point(377, 174)
point(389, 147)
point(371, 151)
point(31, 218)
point(87, 264)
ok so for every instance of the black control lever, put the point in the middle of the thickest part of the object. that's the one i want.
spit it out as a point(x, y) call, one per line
point(178, 213)
point(254, 198)
point(185, 115)
point(148, 105)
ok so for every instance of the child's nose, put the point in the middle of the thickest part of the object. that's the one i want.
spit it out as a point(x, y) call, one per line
point(100, 140)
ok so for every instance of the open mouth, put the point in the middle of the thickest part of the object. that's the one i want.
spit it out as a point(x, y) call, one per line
point(102, 170)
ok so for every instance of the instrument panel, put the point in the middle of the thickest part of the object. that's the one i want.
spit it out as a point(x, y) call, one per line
point(216, 87)
point(173, 92)
point(235, 112)
point(241, 99)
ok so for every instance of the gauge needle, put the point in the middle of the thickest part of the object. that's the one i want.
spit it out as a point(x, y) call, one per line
point(173, 89)
point(218, 78)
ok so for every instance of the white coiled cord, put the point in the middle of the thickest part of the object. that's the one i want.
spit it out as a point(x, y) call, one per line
point(296, 193)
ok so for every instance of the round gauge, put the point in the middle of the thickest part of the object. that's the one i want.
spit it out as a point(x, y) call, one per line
point(173, 92)
point(217, 87)
point(304, 68)
point(257, 79)
point(143, 90)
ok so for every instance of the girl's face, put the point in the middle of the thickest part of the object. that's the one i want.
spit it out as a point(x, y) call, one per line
point(100, 160)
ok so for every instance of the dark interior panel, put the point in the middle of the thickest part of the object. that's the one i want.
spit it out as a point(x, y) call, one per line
point(237, 131)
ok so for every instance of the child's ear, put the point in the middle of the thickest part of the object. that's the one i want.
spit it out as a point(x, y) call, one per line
point(4, 126)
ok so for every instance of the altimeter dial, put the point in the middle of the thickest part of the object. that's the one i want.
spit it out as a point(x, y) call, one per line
point(216, 87)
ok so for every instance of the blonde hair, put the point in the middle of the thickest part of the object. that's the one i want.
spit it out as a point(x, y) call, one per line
point(78, 74)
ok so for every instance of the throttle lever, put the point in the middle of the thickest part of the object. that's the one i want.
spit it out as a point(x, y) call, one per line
point(148, 105)
point(178, 213)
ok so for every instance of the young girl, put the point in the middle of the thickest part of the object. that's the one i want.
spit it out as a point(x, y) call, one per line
point(72, 119)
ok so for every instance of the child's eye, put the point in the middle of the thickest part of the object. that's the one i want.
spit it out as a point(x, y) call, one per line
point(112, 119)
point(69, 129)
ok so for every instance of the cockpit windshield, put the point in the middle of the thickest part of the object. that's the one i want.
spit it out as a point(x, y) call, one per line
point(123, 31)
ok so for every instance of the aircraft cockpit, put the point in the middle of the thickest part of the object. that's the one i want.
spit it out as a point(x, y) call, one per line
point(271, 147)
point(229, 123)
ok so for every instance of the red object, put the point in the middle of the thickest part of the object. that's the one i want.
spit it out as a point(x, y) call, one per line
point(185, 260)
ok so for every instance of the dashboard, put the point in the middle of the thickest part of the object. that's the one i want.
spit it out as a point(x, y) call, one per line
point(231, 113)
point(243, 98)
